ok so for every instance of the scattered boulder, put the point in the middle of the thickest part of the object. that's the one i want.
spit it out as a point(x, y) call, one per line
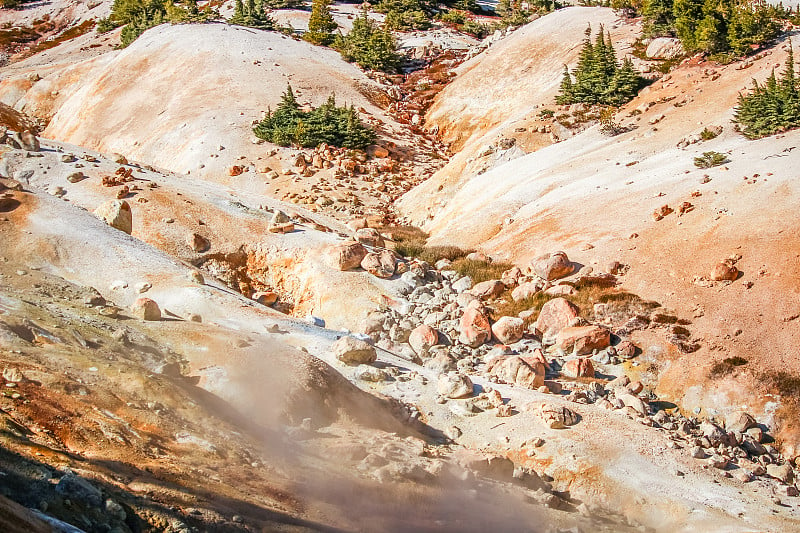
point(625, 350)
point(117, 214)
point(423, 338)
point(488, 289)
point(508, 329)
point(346, 255)
point(724, 271)
point(352, 351)
point(380, 264)
point(783, 472)
point(634, 402)
point(583, 339)
point(146, 309)
point(370, 237)
point(474, 328)
point(739, 421)
point(517, 371)
point(454, 385)
point(664, 48)
point(560, 290)
point(371, 374)
point(75, 177)
point(197, 242)
point(552, 266)
point(462, 284)
point(28, 141)
point(555, 315)
point(578, 368)
point(556, 417)
point(281, 223)
point(265, 297)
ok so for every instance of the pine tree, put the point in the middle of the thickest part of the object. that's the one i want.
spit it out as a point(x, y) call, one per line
point(599, 79)
point(368, 45)
point(321, 24)
point(772, 107)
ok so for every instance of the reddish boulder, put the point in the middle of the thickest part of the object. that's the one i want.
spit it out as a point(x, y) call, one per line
point(346, 256)
point(516, 371)
point(552, 266)
point(724, 271)
point(508, 329)
point(578, 368)
point(583, 339)
point(146, 309)
point(423, 338)
point(474, 328)
point(555, 315)
point(488, 289)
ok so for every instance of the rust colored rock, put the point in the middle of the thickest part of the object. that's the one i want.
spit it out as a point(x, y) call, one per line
point(625, 350)
point(377, 151)
point(508, 329)
point(423, 338)
point(381, 265)
point(265, 297)
point(515, 370)
point(370, 237)
point(197, 242)
point(146, 309)
point(583, 339)
point(578, 368)
point(117, 214)
point(724, 271)
point(552, 266)
point(555, 315)
point(474, 328)
point(488, 289)
point(346, 256)
point(235, 170)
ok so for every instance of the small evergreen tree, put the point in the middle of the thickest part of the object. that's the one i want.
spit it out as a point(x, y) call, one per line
point(253, 14)
point(772, 107)
point(599, 79)
point(329, 124)
point(321, 24)
point(369, 45)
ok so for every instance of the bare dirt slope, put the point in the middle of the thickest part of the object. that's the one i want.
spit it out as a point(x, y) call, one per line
point(600, 191)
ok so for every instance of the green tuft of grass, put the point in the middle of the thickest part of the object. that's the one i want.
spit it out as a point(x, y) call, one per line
point(710, 159)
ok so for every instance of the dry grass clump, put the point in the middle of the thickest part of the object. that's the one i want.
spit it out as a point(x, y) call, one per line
point(480, 270)
point(726, 366)
point(620, 305)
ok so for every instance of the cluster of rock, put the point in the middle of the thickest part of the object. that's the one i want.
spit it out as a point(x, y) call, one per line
point(23, 140)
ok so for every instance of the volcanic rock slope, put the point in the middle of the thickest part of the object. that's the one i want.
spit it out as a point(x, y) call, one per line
point(594, 196)
point(228, 415)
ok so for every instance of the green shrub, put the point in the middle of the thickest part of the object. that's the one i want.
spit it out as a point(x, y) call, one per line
point(368, 45)
point(321, 24)
point(252, 15)
point(329, 124)
point(598, 78)
point(454, 17)
point(139, 16)
point(772, 107)
point(710, 159)
point(707, 134)
point(406, 15)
